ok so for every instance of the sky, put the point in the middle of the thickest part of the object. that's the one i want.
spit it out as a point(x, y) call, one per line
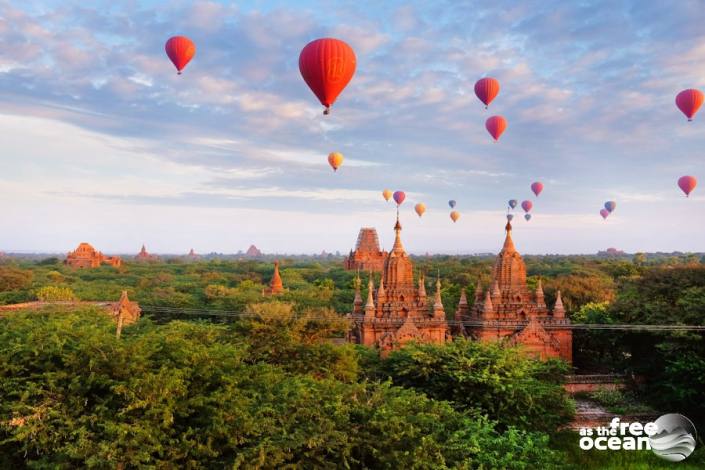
point(101, 141)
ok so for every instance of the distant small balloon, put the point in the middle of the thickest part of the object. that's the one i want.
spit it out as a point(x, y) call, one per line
point(527, 217)
point(610, 206)
point(496, 125)
point(486, 90)
point(513, 203)
point(604, 213)
point(689, 101)
point(420, 208)
point(537, 187)
point(510, 217)
point(527, 205)
point(455, 215)
point(180, 51)
point(399, 197)
point(335, 159)
point(451, 203)
point(386, 194)
point(687, 184)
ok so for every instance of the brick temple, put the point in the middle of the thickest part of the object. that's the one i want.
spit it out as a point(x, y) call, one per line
point(508, 311)
point(398, 311)
point(367, 255)
point(85, 256)
point(144, 256)
point(276, 286)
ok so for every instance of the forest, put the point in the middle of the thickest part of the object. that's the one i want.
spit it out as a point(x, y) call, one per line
point(217, 375)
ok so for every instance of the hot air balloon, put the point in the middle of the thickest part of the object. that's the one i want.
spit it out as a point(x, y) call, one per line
point(399, 197)
point(527, 205)
point(527, 217)
point(689, 101)
point(420, 208)
point(496, 125)
point(687, 184)
point(327, 66)
point(180, 50)
point(451, 203)
point(335, 159)
point(604, 213)
point(510, 217)
point(487, 89)
point(386, 194)
point(455, 215)
point(610, 206)
point(537, 187)
point(513, 203)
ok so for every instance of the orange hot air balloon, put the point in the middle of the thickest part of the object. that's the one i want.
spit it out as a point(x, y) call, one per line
point(335, 159)
point(180, 50)
point(455, 215)
point(487, 89)
point(387, 194)
point(689, 101)
point(327, 66)
point(496, 125)
point(687, 184)
point(420, 208)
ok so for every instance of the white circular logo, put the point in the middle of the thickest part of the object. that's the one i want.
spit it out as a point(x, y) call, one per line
point(675, 438)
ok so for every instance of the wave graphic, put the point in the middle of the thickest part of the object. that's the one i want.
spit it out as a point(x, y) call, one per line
point(674, 445)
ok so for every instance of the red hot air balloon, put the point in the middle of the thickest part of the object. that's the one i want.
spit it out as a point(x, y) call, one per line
point(689, 101)
point(496, 125)
point(527, 205)
point(180, 50)
point(327, 66)
point(487, 89)
point(399, 197)
point(687, 184)
point(604, 213)
point(537, 187)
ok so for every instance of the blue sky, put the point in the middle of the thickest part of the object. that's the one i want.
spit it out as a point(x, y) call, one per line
point(103, 142)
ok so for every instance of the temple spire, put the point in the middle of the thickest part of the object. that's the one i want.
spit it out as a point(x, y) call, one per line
point(478, 291)
point(558, 309)
point(422, 287)
point(370, 305)
point(508, 242)
point(276, 284)
point(381, 293)
point(357, 303)
point(487, 308)
point(398, 248)
point(540, 302)
point(438, 303)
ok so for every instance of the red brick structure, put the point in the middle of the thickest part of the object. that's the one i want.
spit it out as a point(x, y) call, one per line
point(85, 256)
point(253, 252)
point(144, 256)
point(275, 285)
point(398, 312)
point(508, 311)
point(367, 255)
point(192, 255)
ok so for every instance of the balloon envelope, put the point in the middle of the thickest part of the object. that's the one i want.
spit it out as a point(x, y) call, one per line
point(420, 208)
point(399, 197)
point(604, 213)
point(451, 203)
point(496, 125)
point(610, 206)
point(510, 217)
point(687, 184)
point(537, 187)
point(513, 203)
point(327, 65)
point(689, 101)
point(486, 89)
point(386, 194)
point(180, 50)
point(335, 159)
point(527, 217)
point(527, 205)
point(455, 215)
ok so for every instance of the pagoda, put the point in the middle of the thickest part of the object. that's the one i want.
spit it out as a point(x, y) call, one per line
point(144, 256)
point(275, 285)
point(367, 255)
point(85, 256)
point(398, 311)
point(507, 311)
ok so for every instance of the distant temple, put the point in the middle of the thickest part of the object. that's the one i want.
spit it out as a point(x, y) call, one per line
point(508, 311)
point(275, 285)
point(143, 256)
point(367, 255)
point(85, 256)
point(192, 255)
point(398, 312)
point(253, 252)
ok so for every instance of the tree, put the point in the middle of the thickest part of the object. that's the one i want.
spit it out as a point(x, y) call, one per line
point(55, 294)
